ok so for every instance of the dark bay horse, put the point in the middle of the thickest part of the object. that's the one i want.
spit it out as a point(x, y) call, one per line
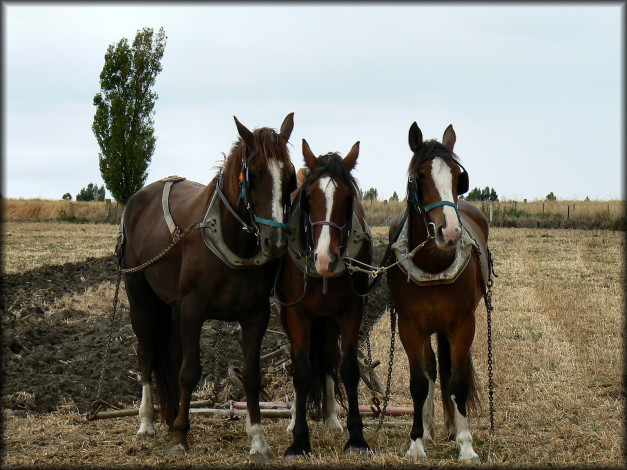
point(438, 291)
point(170, 299)
point(320, 296)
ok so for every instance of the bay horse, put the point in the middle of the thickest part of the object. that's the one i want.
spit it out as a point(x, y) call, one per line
point(438, 291)
point(320, 302)
point(171, 298)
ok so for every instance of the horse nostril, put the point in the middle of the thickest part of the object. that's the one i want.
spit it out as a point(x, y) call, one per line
point(440, 232)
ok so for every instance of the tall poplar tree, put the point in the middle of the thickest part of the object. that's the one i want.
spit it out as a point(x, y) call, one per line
point(123, 123)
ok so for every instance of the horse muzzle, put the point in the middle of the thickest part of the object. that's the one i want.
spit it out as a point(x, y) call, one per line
point(447, 237)
point(325, 263)
point(273, 241)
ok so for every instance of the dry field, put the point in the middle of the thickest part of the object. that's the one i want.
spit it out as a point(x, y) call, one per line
point(558, 330)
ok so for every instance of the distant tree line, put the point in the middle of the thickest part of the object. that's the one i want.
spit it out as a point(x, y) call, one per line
point(89, 193)
point(485, 194)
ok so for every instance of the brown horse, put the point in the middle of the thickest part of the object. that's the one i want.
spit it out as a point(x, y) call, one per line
point(321, 301)
point(438, 291)
point(170, 299)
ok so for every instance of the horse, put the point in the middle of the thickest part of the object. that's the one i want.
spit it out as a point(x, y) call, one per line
point(321, 302)
point(223, 271)
point(438, 291)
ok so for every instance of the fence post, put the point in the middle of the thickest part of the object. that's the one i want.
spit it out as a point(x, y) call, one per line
point(568, 213)
point(543, 207)
point(491, 210)
point(514, 206)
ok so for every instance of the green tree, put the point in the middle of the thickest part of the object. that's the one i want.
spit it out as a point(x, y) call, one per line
point(485, 194)
point(67, 197)
point(123, 123)
point(371, 194)
point(90, 193)
point(551, 196)
point(394, 197)
point(474, 195)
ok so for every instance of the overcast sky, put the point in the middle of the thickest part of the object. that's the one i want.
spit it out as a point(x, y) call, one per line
point(533, 91)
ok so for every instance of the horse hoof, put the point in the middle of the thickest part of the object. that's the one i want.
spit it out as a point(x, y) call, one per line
point(293, 453)
point(472, 460)
point(177, 449)
point(261, 456)
point(362, 451)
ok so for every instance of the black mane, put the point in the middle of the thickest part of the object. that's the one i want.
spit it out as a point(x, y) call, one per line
point(428, 150)
point(333, 164)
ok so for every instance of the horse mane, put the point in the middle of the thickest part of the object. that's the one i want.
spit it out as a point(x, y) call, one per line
point(333, 164)
point(428, 150)
point(270, 146)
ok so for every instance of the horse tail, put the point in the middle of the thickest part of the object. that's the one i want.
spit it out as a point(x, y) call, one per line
point(325, 359)
point(316, 361)
point(473, 401)
point(168, 358)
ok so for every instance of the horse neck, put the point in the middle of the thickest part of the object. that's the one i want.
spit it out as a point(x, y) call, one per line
point(429, 258)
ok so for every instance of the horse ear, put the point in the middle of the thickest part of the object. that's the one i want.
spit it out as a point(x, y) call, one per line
point(244, 133)
point(449, 137)
point(415, 137)
point(350, 160)
point(287, 126)
point(310, 158)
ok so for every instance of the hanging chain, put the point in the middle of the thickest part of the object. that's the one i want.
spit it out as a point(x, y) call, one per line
point(177, 237)
point(97, 405)
point(376, 409)
point(390, 365)
point(487, 298)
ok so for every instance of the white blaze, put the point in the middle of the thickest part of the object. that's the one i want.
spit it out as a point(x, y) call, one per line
point(277, 207)
point(443, 179)
point(328, 188)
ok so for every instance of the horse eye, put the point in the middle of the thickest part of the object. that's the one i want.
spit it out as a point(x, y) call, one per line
point(421, 176)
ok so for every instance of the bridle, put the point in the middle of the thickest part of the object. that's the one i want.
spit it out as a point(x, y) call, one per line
point(244, 183)
point(309, 224)
point(414, 197)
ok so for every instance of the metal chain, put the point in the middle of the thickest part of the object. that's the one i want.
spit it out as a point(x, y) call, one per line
point(487, 298)
point(177, 237)
point(390, 365)
point(97, 405)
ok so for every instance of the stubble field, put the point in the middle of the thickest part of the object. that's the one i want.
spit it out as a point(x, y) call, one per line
point(558, 334)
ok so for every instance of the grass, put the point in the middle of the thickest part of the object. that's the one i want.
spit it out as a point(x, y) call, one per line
point(558, 356)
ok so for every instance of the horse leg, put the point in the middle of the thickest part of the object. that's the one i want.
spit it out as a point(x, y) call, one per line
point(252, 334)
point(349, 326)
point(299, 328)
point(190, 327)
point(444, 362)
point(461, 384)
point(143, 305)
point(330, 360)
point(413, 342)
point(428, 411)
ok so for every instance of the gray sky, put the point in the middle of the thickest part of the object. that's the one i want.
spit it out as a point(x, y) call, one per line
point(533, 91)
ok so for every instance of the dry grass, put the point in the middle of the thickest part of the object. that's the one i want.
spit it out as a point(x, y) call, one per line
point(42, 209)
point(28, 245)
point(557, 331)
point(578, 209)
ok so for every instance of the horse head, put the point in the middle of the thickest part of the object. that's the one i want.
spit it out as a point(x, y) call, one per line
point(266, 178)
point(327, 196)
point(436, 179)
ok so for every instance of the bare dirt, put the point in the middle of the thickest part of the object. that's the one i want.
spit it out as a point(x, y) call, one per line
point(52, 355)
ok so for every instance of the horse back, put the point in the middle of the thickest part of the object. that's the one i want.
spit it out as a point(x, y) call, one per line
point(145, 227)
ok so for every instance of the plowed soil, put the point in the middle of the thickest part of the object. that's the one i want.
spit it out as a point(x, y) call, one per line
point(56, 324)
